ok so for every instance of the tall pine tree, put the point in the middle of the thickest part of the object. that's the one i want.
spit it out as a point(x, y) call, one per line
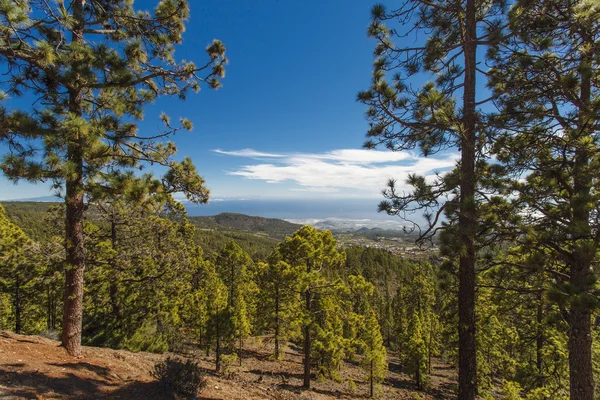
point(89, 68)
point(443, 114)
point(549, 111)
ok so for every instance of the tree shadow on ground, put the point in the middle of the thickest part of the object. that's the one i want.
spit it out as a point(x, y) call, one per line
point(32, 384)
point(96, 369)
point(284, 374)
point(444, 391)
point(299, 389)
point(245, 354)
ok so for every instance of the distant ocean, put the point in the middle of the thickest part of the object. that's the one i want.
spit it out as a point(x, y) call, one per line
point(340, 212)
point(294, 209)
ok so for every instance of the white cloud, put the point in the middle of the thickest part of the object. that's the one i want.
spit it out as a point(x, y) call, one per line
point(248, 153)
point(345, 170)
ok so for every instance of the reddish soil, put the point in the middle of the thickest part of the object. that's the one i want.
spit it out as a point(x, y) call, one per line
point(32, 367)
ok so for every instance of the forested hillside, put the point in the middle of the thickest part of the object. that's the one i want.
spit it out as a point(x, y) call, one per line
point(150, 287)
point(270, 227)
point(30, 216)
point(257, 236)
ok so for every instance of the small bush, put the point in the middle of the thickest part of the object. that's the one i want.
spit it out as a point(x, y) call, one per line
point(511, 390)
point(146, 338)
point(351, 386)
point(227, 361)
point(179, 377)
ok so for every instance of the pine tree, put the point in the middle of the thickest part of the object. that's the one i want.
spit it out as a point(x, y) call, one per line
point(549, 80)
point(136, 288)
point(313, 253)
point(417, 321)
point(94, 64)
point(208, 295)
point(433, 120)
point(232, 264)
point(279, 305)
point(374, 361)
point(19, 268)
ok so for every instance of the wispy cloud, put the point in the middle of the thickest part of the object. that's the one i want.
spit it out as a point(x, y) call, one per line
point(344, 170)
point(248, 153)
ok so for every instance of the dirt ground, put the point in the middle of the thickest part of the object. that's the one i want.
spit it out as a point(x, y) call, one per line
point(33, 367)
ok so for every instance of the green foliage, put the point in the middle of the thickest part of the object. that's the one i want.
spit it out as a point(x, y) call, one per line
point(257, 246)
point(140, 267)
point(21, 272)
point(96, 67)
point(235, 269)
point(278, 306)
point(416, 321)
point(374, 361)
point(547, 148)
point(145, 338)
point(315, 256)
point(30, 216)
point(269, 227)
point(228, 361)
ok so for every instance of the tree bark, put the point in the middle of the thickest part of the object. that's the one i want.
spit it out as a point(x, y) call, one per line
point(467, 363)
point(276, 321)
point(17, 304)
point(307, 295)
point(580, 325)
point(218, 346)
point(232, 288)
point(580, 355)
point(539, 343)
point(74, 201)
point(114, 286)
point(371, 381)
point(307, 345)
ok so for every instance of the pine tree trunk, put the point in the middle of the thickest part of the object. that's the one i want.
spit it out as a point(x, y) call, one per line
point(429, 355)
point(580, 355)
point(74, 201)
point(276, 322)
point(48, 309)
point(371, 381)
point(307, 346)
point(539, 344)
point(232, 289)
point(114, 287)
point(307, 295)
point(240, 350)
point(467, 363)
point(218, 348)
point(580, 326)
point(17, 304)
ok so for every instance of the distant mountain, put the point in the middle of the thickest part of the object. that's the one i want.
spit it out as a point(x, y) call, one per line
point(270, 227)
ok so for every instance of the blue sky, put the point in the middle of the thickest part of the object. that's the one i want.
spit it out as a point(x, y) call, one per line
point(285, 124)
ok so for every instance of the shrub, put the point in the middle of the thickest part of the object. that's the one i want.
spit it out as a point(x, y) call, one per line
point(179, 377)
point(351, 386)
point(511, 390)
point(227, 361)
